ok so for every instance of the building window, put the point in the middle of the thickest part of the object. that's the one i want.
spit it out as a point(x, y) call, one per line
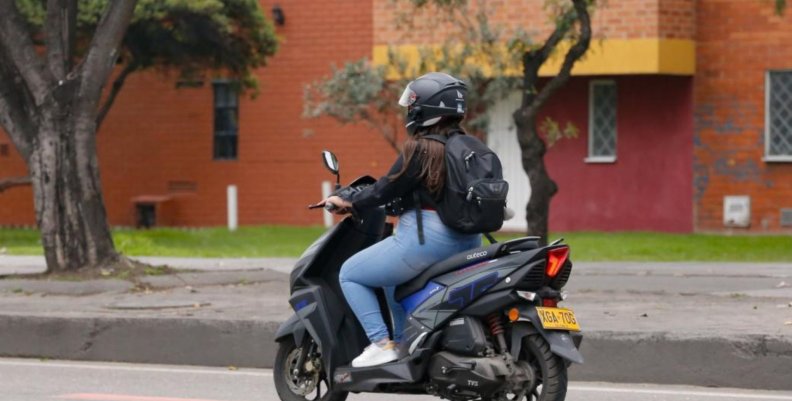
point(226, 120)
point(778, 116)
point(602, 122)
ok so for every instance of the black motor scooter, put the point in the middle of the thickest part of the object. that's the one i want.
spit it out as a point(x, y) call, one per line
point(481, 325)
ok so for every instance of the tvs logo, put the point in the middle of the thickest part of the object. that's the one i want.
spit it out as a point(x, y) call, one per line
point(476, 255)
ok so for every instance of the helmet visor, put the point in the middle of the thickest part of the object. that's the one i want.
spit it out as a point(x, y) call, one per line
point(407, 98)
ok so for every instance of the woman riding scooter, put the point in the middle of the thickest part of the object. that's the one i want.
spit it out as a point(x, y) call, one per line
point(435, 106)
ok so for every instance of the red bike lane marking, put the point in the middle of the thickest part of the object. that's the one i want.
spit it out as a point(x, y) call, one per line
point(121, 397)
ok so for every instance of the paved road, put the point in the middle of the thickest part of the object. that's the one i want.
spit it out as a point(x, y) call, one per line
point(33, 380)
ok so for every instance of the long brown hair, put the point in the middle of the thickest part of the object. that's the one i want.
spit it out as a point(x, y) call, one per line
point(432, 153)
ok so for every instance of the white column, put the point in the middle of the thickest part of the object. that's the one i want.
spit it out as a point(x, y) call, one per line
point(327, 189)
point(232, 208)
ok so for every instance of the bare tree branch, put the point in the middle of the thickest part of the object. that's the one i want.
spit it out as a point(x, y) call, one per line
point(103, 51)
point(572, 56)
point(8, 183)
point(118, 83)
point(60, 27)
point(17, 107)
point(54, 27)
point(18, 45)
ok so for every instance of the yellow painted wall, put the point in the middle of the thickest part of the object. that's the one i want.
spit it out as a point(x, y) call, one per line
point(604, 57)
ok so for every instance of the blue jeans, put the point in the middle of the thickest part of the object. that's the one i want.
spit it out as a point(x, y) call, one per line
point(393, 261)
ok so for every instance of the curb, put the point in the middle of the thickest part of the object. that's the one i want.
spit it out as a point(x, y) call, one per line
point(242, 343)
point(754, 362)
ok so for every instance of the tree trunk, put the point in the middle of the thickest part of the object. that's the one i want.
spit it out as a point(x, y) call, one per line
point(532, 146)
point(543, 188)
point(68, 200)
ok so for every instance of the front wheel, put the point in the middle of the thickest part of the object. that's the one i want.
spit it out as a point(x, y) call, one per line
point(550, 370)
point(306, 383)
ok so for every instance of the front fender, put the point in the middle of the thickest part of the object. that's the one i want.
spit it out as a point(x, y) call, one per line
point(562, 343)
point(294, 327)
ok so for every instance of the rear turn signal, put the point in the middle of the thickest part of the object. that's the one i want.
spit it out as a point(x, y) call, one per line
point(555, 259)
point(514, 314)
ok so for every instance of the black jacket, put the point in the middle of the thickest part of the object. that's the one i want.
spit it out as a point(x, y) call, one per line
point(401, 189)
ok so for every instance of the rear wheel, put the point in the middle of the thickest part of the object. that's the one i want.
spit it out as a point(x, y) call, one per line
point(306, 383)
point(550, 370)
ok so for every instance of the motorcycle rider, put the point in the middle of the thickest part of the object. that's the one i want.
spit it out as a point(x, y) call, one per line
point(435, 105)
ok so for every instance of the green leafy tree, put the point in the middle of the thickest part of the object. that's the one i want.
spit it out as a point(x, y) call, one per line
point(362, 92)
point(56, 58)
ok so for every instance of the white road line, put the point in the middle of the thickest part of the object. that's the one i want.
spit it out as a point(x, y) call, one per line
point(110, 366)
point(691, 393)
point(741, 394)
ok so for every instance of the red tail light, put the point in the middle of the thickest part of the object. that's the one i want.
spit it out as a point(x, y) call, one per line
point(549, 302)
point(555, 260)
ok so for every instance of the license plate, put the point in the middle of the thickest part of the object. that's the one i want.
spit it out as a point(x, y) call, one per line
point(558, 319)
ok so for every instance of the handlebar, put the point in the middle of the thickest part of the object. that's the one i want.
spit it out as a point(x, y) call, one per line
point(327, 206)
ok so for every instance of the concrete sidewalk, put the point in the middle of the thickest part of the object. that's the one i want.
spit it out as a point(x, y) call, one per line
point(679, 323)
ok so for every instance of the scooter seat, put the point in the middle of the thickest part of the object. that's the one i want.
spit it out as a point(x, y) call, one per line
point(455, 262)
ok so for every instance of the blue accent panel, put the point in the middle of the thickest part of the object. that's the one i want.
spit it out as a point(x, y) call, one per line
point(413, 301)
point(461, 296)
point(301, 304)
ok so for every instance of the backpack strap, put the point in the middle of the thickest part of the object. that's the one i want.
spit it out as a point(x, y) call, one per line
point(418, 216)
point(490, 238)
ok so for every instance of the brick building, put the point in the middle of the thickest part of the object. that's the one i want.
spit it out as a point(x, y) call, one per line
point(680, 104)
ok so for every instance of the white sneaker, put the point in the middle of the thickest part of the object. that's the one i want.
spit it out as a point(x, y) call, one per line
point(375, 355)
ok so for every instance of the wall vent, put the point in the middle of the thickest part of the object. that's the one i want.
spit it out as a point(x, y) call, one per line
point(182, 186)
point(786, 217)
point(737, 211)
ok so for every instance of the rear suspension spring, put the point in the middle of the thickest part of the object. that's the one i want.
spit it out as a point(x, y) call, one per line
point(495, 324)
point(496, 328)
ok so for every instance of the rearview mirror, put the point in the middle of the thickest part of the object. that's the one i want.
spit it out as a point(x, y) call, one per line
point(330, 161)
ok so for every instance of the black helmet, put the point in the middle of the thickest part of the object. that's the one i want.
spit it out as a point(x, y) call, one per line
point(431, 97)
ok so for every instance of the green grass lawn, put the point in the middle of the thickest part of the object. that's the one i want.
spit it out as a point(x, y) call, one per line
point(272, 241)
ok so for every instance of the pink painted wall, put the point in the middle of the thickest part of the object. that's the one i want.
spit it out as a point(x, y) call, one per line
point(649, 187)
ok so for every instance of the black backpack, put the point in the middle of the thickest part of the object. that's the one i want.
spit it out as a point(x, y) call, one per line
point(474, 195)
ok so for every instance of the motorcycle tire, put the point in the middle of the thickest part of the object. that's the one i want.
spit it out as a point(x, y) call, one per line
point(550, 370)
point(308, 387)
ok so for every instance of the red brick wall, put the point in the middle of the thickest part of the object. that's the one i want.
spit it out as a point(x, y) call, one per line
point(16, 204)
point(677, 19)
point(738, 42)
point(156, 133)
point(620, 19)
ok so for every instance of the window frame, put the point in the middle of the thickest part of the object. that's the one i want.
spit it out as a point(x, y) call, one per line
point(589, 157)
point(768, 158)
point(230, 86)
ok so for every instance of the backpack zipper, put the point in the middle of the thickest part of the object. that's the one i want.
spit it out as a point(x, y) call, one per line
point(467, 160)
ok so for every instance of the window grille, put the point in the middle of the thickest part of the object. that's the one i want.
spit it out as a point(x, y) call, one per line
point(602, 121)
point(779, 114)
